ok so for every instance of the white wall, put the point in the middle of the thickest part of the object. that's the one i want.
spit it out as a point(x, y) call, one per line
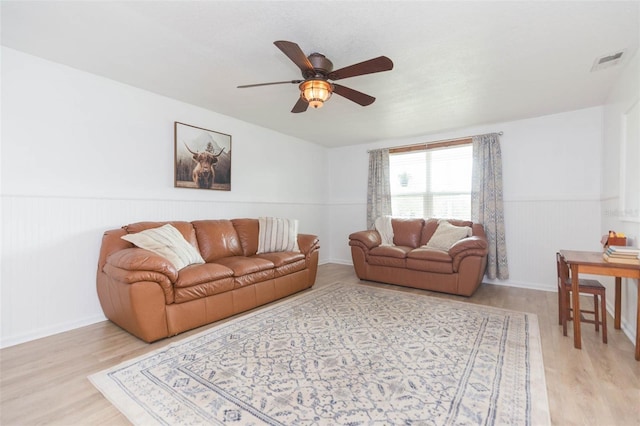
point(623, 96)
point(551, 173)
point(81, 154)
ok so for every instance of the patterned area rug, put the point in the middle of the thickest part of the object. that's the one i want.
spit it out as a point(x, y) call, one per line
point(344, 355)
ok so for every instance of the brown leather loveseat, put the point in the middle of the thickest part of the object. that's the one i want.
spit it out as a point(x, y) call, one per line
point(146, 295)
point(409, 262)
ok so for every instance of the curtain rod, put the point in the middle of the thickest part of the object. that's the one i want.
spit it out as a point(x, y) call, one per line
point(443, 141)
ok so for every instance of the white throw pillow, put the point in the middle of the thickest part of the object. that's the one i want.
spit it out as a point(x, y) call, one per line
point(447, 235)
point(168, 242)
point(277, 234)
point(385, 229)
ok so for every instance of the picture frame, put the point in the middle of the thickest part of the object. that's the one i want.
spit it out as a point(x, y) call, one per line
point(202, 158)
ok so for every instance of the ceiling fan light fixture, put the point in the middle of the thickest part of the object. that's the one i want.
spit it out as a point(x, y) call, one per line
point(316, 92)
point(317, 70)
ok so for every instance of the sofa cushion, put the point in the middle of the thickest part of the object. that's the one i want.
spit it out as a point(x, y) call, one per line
point(399, 252)
point(389, 256)
point(406, 232)
point(431, 260)
point(241, 265)
point(434, 255)
point(277, 234)
point(447, 235)
point(247, 230)
point(281, 258)
point(199, 274)
point(286, 262)
point(168, 242)
point(248, 270)
point(429, 228)
point(217, 239)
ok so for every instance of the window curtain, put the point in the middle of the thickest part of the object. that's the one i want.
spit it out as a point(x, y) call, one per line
point(379, 187)
point(486, 201)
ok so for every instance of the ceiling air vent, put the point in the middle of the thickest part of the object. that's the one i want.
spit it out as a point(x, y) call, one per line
point(607, 61)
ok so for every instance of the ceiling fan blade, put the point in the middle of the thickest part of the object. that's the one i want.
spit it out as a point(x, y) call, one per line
point(296, 54)
point(300, 106)
point(353, 95)
point(269, 84)
point(379, 64)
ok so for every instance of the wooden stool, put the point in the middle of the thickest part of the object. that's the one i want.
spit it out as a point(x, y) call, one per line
point(593, 287)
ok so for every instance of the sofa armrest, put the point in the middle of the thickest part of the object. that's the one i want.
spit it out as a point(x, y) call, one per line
point(133, 265)
point(365, 239)
point(469, 243)
point(138, 260)
point(308, 243)
point(470, 246)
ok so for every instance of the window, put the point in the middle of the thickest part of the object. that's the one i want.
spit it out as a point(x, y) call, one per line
point(432, 182)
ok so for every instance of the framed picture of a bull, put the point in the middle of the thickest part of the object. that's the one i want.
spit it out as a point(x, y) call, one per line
point(202, 157)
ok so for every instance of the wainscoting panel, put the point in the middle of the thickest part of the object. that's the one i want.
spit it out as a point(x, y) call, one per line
point(537, 229)
point(50, 248)
point(612, 214)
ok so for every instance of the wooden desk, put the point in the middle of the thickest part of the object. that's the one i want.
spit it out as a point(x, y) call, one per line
point(591, 262)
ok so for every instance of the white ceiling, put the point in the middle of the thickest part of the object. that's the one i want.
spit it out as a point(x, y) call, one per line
point(456, 64)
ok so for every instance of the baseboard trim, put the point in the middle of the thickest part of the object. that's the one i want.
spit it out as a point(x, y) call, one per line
point(6, 342)
point(519, 284)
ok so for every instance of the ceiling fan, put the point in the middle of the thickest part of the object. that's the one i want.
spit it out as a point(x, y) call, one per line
point(317, 70)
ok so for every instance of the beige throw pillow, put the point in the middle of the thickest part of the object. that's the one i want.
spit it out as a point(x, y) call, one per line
point(277, 234)
point(385, 229)
point(168, 242)
point(447, 235)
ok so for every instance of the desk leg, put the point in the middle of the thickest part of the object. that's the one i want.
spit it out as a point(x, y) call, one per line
point(575, 298)
point(616, 318)
point(638, 324)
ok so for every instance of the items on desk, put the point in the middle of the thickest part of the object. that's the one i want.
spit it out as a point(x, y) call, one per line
point(614, 239)
point(628, 255)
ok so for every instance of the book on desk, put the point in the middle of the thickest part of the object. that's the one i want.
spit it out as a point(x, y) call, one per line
point(618, 254)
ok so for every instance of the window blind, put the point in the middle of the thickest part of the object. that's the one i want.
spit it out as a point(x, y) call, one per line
point(432, 182)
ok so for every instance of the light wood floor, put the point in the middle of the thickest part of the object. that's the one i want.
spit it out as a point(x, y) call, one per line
point(45, 381)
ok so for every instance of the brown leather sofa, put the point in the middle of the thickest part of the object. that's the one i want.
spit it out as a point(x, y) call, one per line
point(144, 293)
point(457, 271)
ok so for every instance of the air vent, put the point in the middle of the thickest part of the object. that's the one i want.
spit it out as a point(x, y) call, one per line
point(607, 61)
